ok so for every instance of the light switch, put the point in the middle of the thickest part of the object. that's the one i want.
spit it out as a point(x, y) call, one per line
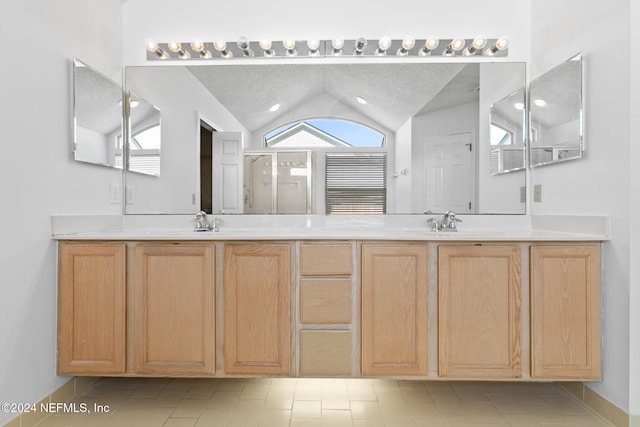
point(130, 195)
point(114, 194)
point(537, 193)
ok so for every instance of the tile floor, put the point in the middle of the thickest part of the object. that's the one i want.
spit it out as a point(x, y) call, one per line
point(275, 402)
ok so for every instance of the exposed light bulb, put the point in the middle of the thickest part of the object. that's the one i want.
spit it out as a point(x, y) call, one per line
point(152, 45)
point(220, 45)
point(383, 45)
point(265, 45)
point(360, 46)
point(245, 46)
point(431, 43)
point(313, 45)
point(290, 46)
point(454, 46)
point(479, 42)
point(197, 46)
point(407, 44)
point(174, 46)
point(501, 44)
point(337, 44)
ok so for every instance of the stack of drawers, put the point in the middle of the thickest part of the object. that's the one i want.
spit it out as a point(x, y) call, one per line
point(326, 309)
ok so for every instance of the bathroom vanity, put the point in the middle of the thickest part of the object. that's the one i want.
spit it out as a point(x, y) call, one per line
point(316, 301)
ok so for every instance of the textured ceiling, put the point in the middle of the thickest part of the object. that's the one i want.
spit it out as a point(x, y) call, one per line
point(394, 92)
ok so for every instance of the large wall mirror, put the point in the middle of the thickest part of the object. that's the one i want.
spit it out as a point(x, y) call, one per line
point(97, 131)
point(97, 108)
point(434, 153)
point(556, 114)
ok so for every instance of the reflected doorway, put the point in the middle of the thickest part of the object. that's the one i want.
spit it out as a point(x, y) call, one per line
point(206, 167)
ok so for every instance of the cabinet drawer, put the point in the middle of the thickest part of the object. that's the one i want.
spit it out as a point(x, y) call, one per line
point(325, 301)
point(325, 260)
point(325, 353)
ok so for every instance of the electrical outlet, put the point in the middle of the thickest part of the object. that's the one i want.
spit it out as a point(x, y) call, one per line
point(537, 193)
point(523, 194)
point(114, 194)
point(130, 195)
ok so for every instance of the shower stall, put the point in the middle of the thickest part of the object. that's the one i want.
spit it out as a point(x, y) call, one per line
point(278, 182)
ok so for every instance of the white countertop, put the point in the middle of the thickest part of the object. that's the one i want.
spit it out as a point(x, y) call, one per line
point(319, 227)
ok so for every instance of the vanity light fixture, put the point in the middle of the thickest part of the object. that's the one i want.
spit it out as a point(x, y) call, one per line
point(431, 43)
point(336, 46)
point(456, 45)
point(265, 45)
point(501, 44)
point(407, 44)
point(383, 45)
point(244, 48)
point(244, 45)
point(221, 46)
point(290, 46)
point(313, 45)
point(477, 45)
point(177, 48)
point(152, 46)
point(360, 46)
point(198, 46)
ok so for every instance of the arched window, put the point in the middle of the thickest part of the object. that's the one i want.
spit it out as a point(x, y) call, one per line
point(324, 133)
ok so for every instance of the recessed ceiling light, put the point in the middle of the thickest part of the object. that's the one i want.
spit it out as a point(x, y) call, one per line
point(274, 107)
point(361, 100)
point(540, 102)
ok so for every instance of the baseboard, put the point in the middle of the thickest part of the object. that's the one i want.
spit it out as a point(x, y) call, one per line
point(601, 406)
point(63, 394)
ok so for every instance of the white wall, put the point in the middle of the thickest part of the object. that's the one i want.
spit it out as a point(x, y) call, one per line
point(182, 101)
point(39, 177)
point(634, 214)
point(401, 184)
point(600, 182)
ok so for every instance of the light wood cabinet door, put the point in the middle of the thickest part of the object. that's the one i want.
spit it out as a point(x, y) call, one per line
point(479, 302)
point(565, 312)
point(91, 309)
point(394, 309)
point(174, 309)
point(257, 288)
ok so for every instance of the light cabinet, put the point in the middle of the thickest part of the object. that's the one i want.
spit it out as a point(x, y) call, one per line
point(257, 295)
point(479, 311)
point(174, 309)
point(394, 309)
point(565, 312)
point(91, 308)
point(326, 311)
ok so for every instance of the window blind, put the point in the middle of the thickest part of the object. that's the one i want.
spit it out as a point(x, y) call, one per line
point(356, 183)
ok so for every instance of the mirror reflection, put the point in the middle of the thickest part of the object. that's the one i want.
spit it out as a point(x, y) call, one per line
point(97, 110)
point(145, 139)
point(556, 112)
point(506, 133)
point(432, 118)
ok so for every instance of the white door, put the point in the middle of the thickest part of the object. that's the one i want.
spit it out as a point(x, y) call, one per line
point(227, 172)
point(448, 173)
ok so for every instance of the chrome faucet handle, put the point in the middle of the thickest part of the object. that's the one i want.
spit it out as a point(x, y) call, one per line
point(435, 223)
point(202, 222)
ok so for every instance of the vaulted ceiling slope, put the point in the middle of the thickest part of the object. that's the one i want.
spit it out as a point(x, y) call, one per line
point(394, 92)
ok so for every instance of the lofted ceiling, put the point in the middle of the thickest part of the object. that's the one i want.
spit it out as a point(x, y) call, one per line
point(394, 92)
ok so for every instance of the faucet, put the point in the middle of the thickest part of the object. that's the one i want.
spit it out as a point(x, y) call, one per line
point(203, 223)
point(446, 223)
